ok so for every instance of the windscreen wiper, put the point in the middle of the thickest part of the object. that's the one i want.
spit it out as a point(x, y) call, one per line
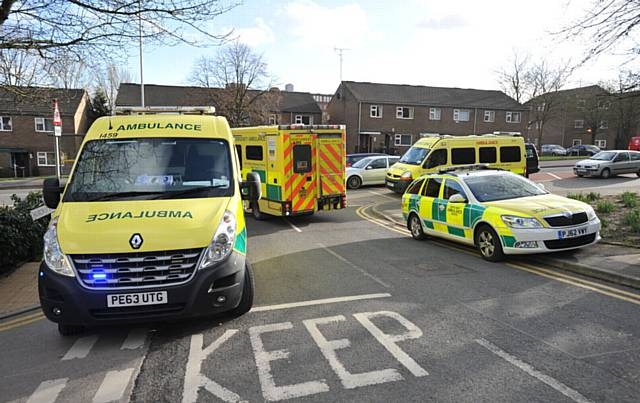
point(186, 192)
point(118, 195)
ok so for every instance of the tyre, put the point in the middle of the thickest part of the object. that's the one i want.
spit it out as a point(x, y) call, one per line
point(69, 330)
point(489, 245)
point(414, 225)
point(579, 175)
point(638, 174)
point(354, 182)
point(248, 289)
point(605, 173)
point(255, 211)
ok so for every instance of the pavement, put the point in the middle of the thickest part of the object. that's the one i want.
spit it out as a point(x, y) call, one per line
point(26, 183)
point(603, 261)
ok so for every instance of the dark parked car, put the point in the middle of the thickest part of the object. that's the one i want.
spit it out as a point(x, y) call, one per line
point(552, 149)
point(353, 158)
point(583, 149)
point(532, 158)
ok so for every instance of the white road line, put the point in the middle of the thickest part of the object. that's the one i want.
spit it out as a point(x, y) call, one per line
point(113, 386)
point(292, 226)
point(80, 348)
point(318, 302)
point(48, 391)
point(383, 195)
point(553, 175)
point(355, 266)
point(135, 339)
point(557, 385)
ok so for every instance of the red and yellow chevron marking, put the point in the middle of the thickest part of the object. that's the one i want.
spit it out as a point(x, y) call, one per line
point(331, 168)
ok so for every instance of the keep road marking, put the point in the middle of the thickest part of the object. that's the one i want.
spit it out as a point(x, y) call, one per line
point(80, 348)
point(135, 339)
point(48, 391)
point(113, 386)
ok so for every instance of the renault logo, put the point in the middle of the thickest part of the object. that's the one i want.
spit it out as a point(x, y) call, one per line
point(136, 241)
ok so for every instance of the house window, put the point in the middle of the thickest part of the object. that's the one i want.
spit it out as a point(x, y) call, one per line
point(375, 111)
point(602, 144)
point(46, 159)
point(576, 142)
point(403, 140)
point(604, 124)
point(581, 103)
point(541, 107)
point(578, 124)
point(435, 113)
point(44, 125)
point(603, 104)
point(489, 116)
point(5, 124)
point(461, 115)
point(304, 120)
point(273, 119)
point(513, 117)
point(404, 112)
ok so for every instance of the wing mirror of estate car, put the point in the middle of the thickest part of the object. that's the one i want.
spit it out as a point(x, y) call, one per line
point(457, 198)
point(251, 189)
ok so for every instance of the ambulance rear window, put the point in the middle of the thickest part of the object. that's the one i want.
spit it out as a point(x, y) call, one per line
point(301, 158)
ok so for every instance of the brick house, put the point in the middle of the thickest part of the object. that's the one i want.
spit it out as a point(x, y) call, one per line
point(390, 118)
point(571, 117)
point(27, 143)
point(292, 107)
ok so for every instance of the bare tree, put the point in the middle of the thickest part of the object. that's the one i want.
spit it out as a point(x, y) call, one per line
point(109, 78)
point(67, 73)
point(242, 84)
point(20, 68)
point(624, 114)
point(514, 80)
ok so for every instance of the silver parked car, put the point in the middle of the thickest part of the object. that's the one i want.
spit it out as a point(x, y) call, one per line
point(369, 171)
point(608, 163)
point(552, 149)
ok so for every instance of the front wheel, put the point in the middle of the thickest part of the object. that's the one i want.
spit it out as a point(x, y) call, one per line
point(415, 226)
point(489, 244)
point(605, 173)
point(248, 290)
point(354, 182)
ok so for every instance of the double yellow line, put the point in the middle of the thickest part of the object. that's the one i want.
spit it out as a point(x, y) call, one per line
point(603, 289)
point(21, 321)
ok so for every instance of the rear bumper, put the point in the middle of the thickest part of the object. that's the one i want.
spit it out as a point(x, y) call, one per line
point(87, 307)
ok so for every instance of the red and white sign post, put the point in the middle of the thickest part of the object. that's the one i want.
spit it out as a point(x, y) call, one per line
point(57, 131)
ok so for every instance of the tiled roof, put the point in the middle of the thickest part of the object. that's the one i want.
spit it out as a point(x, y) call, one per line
point(431, 96)
point(166, 95)
point(38, 101)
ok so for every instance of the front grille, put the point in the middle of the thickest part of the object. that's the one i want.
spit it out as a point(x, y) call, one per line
point(570, 242)
point(562, 221)
point(136, 311)
point(138, 269)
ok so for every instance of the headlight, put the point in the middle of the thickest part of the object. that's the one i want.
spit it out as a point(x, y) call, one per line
point(591, 214)
point(53, 256)
point(222, 243)
point(406, 175)
point(520, 222)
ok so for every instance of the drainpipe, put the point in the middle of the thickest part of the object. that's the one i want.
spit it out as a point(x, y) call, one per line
point(359, 118)
point(475, 118)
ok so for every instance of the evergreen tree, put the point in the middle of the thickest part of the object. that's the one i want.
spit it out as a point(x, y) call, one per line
point(99, 104)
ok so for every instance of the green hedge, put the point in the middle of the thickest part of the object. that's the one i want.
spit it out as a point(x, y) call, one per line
point(20, 236)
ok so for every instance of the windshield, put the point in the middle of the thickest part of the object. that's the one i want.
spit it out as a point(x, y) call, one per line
point(362, 163)
point(604, 156)
point(488, 188)
point(151, 168)
point(414, 155)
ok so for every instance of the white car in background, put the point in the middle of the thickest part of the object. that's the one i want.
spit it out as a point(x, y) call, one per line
point(369, 171)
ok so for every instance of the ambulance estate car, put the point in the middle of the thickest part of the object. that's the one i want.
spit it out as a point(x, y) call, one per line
point(150, 225)
point(435, 152)
point(497, 211)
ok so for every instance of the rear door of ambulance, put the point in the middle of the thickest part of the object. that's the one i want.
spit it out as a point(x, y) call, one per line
point(299, 170)
point(331, 162)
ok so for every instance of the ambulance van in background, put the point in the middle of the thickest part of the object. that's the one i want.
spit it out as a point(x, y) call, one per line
point(435, 152)
point(301, 167)
point(150, 225)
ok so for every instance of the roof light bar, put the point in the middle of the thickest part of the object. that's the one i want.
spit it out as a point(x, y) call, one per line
point(142, 110)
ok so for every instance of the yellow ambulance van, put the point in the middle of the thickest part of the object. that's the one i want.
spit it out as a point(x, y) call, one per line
point(150, 225)
point(433, 153)
point(301, 167)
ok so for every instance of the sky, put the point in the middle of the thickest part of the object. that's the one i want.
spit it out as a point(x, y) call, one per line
point(461, 43)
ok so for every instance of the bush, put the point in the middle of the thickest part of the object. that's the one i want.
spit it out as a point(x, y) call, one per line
point(605, 206)
point(20, 236)
point(629, 199)
point(579, 197)
point(632, 219)
point(592, 196)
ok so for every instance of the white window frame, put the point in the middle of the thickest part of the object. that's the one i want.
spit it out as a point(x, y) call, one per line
point(510, 117)
point(541, 107)
point(601, 143)
point(576, 142)
point(457, 112)
point(489, 116)
point(400, 112)
point(435, 113)
point(578, 124)
point(43, 124)
point(399, 137)
point(375, 111)
point(273, 119)
point(3, 127)
point(298, 120)
point(581, 103)
point(604, 124)
point(43, 158)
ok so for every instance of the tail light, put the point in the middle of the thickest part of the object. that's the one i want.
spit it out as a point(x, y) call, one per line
point(286, 208)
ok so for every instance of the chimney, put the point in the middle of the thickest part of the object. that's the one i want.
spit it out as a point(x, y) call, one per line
point(288, 87)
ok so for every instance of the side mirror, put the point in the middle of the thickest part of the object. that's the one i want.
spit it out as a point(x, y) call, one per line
point(368, 167)
point(51, 192)
point(457, 198)
point(251, 189)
